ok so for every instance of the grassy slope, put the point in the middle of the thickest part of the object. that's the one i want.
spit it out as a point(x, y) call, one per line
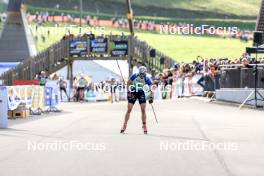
point(187, 48)
point(241, 13)
point(235, 7)
point(181, 48)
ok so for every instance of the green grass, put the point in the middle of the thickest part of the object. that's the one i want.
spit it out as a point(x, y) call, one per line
point(187, 48)
point(181, 48)
point(233, 7)
point(219, 13)
point(243, 24)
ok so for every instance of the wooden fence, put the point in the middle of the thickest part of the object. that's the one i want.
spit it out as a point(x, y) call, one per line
point(58, 56)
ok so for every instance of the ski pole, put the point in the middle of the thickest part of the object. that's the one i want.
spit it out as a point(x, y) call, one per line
point(154, 113)
point(120, 70)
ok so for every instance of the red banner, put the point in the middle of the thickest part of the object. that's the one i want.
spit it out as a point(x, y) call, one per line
point(25, 82)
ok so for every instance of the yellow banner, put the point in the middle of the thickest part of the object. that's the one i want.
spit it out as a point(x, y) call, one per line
point(38, 98)
point(32, 96)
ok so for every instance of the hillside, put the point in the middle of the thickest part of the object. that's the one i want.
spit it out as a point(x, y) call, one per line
point(181, 48)
point(237, 9)
point(223, 13)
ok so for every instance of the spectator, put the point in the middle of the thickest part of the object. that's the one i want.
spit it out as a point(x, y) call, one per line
point(63, 88)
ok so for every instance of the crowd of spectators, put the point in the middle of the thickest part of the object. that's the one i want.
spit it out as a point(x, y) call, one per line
point(210, 71)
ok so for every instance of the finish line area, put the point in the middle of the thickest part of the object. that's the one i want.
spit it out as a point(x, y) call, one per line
point(84, 140)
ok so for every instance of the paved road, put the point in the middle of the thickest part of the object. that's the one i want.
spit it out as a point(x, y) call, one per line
point(97, 148)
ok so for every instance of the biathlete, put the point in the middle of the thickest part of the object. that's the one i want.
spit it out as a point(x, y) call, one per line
point(136, 87)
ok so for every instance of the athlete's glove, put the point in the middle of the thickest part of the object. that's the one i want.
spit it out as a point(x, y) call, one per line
point(151, 99)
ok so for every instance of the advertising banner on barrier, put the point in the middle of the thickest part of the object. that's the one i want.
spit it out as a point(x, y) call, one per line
point(32, 96)
point(78, 47)
point(99, 45)
point(48, 97)
point(38, 98)
point(18, 95)
point(119, 48)
point(3, 108)
point(52, 92)
point(188, 86)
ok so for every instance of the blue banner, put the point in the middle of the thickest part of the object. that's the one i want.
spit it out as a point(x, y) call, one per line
point(50, 97)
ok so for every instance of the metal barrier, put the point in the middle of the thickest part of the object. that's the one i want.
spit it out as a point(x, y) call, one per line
point(241, 78)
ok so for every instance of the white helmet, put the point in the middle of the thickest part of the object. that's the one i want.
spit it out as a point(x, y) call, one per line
point(142, 70)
